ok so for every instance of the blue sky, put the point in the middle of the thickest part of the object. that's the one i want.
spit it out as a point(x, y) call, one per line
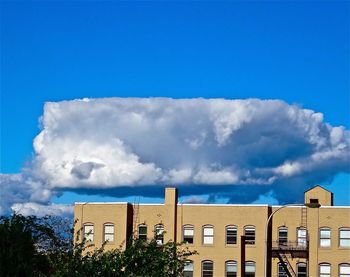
point(58, 50)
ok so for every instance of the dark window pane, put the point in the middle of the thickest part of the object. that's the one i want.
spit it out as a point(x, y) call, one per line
point(231, 240)
point(231, 235)
point(188, 240)
point(207, 266)
point(143, 232)
point(301, 270)
point(249, 235)
point(283, 236)
point(207, 269)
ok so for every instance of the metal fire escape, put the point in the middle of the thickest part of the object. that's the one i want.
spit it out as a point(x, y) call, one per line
point(292, 249)
point(136, 207)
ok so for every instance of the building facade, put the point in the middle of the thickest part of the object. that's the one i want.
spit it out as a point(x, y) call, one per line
point(312, 239)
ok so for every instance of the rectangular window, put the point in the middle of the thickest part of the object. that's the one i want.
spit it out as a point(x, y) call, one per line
point(325, 270)
point(231, 235)
point(188, 234)
point(249, 233)
point(207, 269)
point(188, 269)
point(250, 269)
point(281, 271)
point(344, 270)
point(344, 237)
point(109, 232)
point(231, 269)
point(302, 237)
point(282, 236)
point(301, 270)
point(159, 233)
point(89, 232)
point(325, 237)
point(142, 232)
point(208, 235)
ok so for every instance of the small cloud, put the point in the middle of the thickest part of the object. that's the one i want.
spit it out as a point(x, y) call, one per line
point(36, 209)
point(195, 200)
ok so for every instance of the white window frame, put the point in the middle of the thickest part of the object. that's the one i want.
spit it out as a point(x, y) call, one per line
point(299, 266)
point(301, 238)
point(344, 237)
point(208, 273)
point(250, 228)
point(188, 232)
point(159, 233)
point(142, 236)
point(89, 229)
point(344, 270)
point(325, 270)
point(208, 235)
point(250, 264)
point(285, 229)
point(188, 269)
point(325, 237)
point(235, 236)
point(229, 264)
point(108, 233)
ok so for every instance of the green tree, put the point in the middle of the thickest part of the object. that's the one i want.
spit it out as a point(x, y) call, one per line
point(31, 246)
point(140, 258)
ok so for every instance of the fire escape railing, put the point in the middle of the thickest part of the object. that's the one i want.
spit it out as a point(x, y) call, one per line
point(289, 246)
point(282, 250)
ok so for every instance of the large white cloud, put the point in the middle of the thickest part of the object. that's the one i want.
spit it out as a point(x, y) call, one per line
point(126, 141)
point(118, 142)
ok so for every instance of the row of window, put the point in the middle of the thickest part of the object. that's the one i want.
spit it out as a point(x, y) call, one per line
point(230, 269)
point(325, 237)
point(231, 234)
point(208, 234)
point(301, 270)
point(325, 270)
point(108, 232)
point(249, 232)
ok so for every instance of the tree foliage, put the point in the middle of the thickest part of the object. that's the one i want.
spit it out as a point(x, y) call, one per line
point(31, 246)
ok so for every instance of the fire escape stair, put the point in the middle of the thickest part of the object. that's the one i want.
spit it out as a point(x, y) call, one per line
point(286, 265)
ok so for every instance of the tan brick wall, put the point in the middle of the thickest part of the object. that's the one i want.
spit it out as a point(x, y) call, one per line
point(173, 216)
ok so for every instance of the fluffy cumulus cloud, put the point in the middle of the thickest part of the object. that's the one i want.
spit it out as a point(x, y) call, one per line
point(214, 144)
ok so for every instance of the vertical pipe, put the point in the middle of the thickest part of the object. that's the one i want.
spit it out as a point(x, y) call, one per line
point(242, 256)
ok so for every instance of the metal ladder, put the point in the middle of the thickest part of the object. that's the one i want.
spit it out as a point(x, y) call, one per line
point(303, 220)
point(135, 219)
